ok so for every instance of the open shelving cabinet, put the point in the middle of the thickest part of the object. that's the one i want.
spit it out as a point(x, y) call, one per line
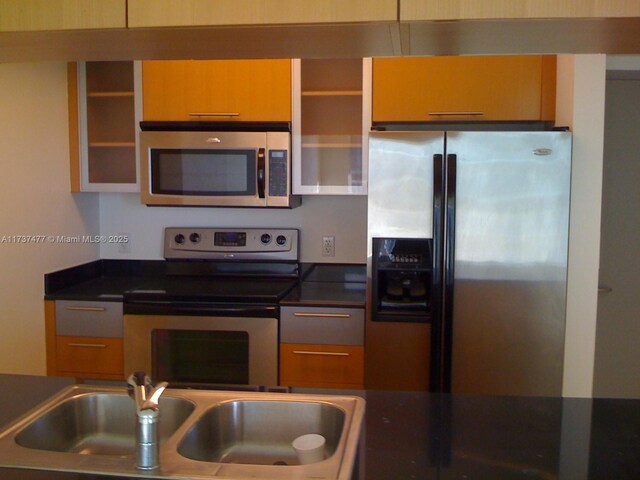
point(108, 114)
point(331, 121)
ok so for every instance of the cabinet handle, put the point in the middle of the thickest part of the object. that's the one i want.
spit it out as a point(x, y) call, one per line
point(327, 354)
point(445, 114)
point(87, 309)
point(92, 345)
point(604, 290)
point(322, 315)
point(214, 114)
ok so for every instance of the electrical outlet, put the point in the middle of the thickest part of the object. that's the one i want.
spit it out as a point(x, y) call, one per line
point(328, 246)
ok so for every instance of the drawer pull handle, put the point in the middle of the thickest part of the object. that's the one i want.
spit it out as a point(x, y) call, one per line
point(322, 315)
point(328, 354)
point(214, 114)
point(91, 345)
point(445, 114)
point(87, 309)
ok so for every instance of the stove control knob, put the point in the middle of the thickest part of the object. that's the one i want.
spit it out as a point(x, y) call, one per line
point(179, 239)
point(265, 238)
point(194, 237)
point(281, 240)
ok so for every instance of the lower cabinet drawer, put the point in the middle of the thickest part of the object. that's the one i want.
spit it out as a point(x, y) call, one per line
point(321, 366)
point(90, 357)
point(88, 319)
point(322, 325)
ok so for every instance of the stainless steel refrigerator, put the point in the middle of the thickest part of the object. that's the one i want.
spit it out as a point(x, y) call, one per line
point(493, 210)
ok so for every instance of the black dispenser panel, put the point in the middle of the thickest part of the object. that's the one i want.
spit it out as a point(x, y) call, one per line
point(402, 272)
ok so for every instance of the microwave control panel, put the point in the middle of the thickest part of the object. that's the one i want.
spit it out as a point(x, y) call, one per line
point(278, 174)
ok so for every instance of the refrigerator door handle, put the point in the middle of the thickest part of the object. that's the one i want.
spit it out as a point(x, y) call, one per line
point(435, 368)
point(448, 266)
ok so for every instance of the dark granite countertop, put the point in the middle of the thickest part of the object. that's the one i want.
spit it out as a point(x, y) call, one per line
point(101, 280)
point(336, 285)
point(350, 295)
point(409, 435)
point(340, 285)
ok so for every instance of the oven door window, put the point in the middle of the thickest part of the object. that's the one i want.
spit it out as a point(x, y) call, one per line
point(200, 356)
point(221, 172)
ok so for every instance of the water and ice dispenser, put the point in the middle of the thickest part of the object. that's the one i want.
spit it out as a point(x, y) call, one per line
point(402, 271)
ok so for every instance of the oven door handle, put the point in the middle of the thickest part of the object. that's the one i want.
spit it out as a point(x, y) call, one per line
point(182, 308)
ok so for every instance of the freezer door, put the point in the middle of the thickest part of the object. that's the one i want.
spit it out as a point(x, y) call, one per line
point(507, 261)
point(400, 205)
point(400, 198)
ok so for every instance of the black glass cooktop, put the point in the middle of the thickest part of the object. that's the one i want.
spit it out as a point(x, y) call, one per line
point(211, 290)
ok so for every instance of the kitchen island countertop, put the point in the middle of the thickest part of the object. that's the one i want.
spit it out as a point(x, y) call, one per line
point(412, 435)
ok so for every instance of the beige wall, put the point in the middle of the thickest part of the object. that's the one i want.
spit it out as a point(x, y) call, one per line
point(35, 199)
point(344, 217)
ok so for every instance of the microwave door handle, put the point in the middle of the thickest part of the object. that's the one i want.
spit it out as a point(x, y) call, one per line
point(261, 172)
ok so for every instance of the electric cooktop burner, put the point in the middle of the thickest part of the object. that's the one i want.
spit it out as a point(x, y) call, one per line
point(203, 289)
point(224, 265)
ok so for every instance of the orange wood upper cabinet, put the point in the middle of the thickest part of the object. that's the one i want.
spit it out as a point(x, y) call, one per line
point(489, 88)
point(223, 90)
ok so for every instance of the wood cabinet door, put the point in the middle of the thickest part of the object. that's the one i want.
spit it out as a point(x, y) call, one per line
point(223, 90)
point(321, 366)
point(489, 88)
point(90, 357)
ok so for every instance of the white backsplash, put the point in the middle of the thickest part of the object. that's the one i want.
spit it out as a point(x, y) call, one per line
point(344, 217)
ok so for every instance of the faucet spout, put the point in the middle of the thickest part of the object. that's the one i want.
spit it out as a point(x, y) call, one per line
point(138, 383)
point(153, 397)
point(147, 400)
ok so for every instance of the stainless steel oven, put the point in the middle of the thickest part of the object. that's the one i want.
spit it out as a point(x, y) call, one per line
point(234, 346)
point(233, 165)
point(214, 320)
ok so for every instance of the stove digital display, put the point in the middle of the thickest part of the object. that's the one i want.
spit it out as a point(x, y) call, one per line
point(230, 239)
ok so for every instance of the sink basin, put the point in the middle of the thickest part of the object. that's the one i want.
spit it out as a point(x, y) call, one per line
point(203, 434)
point(99, 423)
point(260, 432)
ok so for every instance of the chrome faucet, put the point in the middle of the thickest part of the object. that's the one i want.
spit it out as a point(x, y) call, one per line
point(146, 397)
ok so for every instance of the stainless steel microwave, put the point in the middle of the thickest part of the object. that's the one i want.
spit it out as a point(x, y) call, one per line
point(216, 168)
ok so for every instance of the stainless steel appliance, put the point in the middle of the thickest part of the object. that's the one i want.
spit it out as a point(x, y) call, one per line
point(214, 320)
point(496, 207)
point(214, 164)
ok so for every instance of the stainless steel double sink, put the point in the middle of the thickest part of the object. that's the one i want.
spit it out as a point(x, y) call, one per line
point(203, 434)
